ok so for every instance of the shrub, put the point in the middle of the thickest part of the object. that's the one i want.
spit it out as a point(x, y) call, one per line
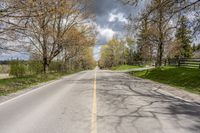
point(56, 66)
point(35, 67)
point(17, 68)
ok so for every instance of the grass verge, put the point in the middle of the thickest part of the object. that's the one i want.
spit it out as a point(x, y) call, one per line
point(184, 78)
point(11, 85)
point(125, 67)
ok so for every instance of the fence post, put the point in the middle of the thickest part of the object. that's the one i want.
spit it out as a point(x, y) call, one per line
point(179, 62)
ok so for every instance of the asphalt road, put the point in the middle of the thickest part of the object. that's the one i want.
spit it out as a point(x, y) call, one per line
point(105, 102)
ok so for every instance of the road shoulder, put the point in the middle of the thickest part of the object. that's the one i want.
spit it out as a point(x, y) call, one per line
point(173, 91)
point(32, 88)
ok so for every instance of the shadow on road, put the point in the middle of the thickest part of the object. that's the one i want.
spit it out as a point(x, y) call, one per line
point(134, 105)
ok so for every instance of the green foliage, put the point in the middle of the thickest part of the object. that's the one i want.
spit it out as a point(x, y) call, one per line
point(186, 78)
point(183, 34)
point(84, 60)
point(196, 47)
point(17, 68)
point(145, 47)
point(87, 61)
point(56, 66)
point(114, 53)
point(132, 51)
point(35, 67)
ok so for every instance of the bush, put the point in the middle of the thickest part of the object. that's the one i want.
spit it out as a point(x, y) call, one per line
point(35, 67)
point(56, 66)
point(17, 68)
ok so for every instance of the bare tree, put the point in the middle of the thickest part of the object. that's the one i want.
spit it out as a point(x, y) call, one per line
point(162, 16)
point(77, 40)
point(46, 22)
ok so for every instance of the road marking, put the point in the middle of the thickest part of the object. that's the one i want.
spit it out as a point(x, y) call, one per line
point(94, 106)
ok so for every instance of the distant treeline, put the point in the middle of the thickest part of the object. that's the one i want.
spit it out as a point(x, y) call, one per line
point(5, 62)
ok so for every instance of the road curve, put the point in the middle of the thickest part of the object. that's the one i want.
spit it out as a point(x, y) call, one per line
point(113, 103)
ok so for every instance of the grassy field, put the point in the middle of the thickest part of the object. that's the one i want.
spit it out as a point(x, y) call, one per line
point(124, 67)
point(185, 78)
point(11, 85)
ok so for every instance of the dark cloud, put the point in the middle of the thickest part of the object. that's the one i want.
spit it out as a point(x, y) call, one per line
point(103, 9)
point(105, 6)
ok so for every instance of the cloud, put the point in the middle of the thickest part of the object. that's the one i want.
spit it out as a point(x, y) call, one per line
point(105, 34)
point(111, 16)
point(117, 17)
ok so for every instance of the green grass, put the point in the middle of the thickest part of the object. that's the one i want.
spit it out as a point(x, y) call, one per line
point(12, 85)
point(185, 78)
point(124, 67)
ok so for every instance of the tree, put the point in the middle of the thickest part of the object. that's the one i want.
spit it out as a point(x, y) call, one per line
point(132, 52)
point(161, 14)
point(6, 27)
point(173, 49)
point(47, 24)
point(114, 53)
point(180, 5)
point(183, 35)
point(155, 29)
point(196, 23)
point(77, 42)
point(159, 31)
point(144, 45)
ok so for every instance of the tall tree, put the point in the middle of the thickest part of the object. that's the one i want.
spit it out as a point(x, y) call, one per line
point(159, 15)
point(145, 48)
point(132, 52)
point(183, 35)
point(47, 23)
point(76, 43)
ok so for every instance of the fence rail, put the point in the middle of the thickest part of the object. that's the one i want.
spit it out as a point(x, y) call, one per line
point(185, 62)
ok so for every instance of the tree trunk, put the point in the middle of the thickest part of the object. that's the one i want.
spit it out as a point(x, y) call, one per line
point(45, 65)
point(161, 38)
point(160, 54)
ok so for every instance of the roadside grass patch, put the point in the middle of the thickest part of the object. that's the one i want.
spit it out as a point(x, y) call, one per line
point(125, 67)
point(11, 85)
point(184, 78)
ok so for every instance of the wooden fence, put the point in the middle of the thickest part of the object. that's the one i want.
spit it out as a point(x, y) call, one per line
point(185, 62)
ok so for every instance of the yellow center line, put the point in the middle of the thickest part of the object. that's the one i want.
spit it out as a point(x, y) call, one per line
point(94, 106)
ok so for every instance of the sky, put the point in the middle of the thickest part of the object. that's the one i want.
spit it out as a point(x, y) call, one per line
point(13, 55)
point(111, 18)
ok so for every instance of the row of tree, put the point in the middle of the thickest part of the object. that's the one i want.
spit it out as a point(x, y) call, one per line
point(50, 30)
point(119, 52)
point(165, 29)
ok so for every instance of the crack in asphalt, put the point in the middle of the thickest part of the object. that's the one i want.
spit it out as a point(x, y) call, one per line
point(133, 102)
